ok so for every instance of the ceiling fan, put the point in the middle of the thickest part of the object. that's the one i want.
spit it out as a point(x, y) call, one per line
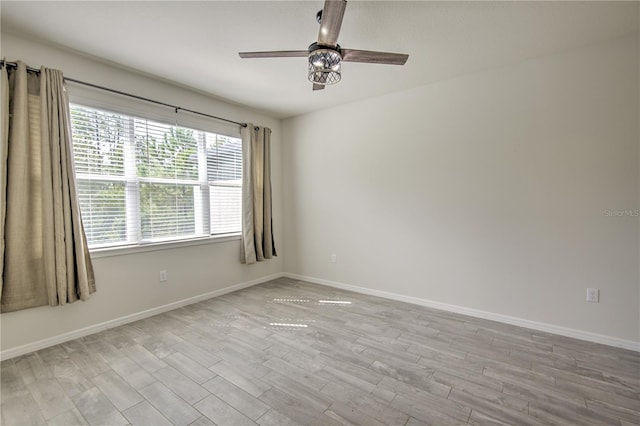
point(325, 56)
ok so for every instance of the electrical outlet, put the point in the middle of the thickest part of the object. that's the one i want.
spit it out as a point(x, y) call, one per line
point(593, 295)
point(163, 276)
point(334, 258)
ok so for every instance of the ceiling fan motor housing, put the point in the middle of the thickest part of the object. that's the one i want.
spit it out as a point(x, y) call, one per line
point(324, 64)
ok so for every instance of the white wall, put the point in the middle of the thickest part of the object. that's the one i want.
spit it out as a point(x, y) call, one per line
point(486, 192)
point(128, 284)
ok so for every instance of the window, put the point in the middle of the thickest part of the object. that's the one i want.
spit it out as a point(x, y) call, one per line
point(141, 181)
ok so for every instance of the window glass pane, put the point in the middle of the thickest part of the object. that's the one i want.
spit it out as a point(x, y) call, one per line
point(98, 141)
point(226, 208)
point(224, 173)
point(103, 211)
point(166, 210)
point(141, 180)
point(224, 158)
point(164, 151)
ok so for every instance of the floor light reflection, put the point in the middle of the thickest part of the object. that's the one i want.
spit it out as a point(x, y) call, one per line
point(334, 302)
point(282, 324)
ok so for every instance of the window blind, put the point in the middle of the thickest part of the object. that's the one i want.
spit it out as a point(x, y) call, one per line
point(224, 175)
point(143, 181)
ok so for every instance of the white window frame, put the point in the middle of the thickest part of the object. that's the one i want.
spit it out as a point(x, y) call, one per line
point(143, 110)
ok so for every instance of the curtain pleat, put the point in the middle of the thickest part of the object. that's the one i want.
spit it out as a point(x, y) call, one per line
point(46, 257)
point(268, 244)
point(257, 226)
point(4, 144)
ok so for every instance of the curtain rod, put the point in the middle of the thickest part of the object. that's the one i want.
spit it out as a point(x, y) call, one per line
point(95, 86)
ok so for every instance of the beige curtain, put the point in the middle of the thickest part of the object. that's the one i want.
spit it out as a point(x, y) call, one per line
point(257, 233)
point(46, 260)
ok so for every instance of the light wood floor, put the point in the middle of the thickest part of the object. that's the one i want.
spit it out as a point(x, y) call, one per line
point(288, 352)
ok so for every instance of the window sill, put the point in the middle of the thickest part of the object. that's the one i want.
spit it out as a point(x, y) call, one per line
point(165, 245)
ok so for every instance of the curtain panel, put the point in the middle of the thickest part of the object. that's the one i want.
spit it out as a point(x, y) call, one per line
point(257, 224)
point(45, 258)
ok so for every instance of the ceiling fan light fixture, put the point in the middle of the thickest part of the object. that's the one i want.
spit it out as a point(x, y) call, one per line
point(325, 66)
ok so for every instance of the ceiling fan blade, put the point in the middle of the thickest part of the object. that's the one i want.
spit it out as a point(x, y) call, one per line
point(354, 55)
point(318, 87)
point(275, 54)
point(332, 15)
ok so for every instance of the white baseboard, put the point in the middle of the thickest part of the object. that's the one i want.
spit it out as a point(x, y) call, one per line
point(65, 337)
point(549, 328)
point(535, 325)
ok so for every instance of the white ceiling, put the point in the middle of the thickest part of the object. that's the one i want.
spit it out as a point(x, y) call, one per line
point(197, 43)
